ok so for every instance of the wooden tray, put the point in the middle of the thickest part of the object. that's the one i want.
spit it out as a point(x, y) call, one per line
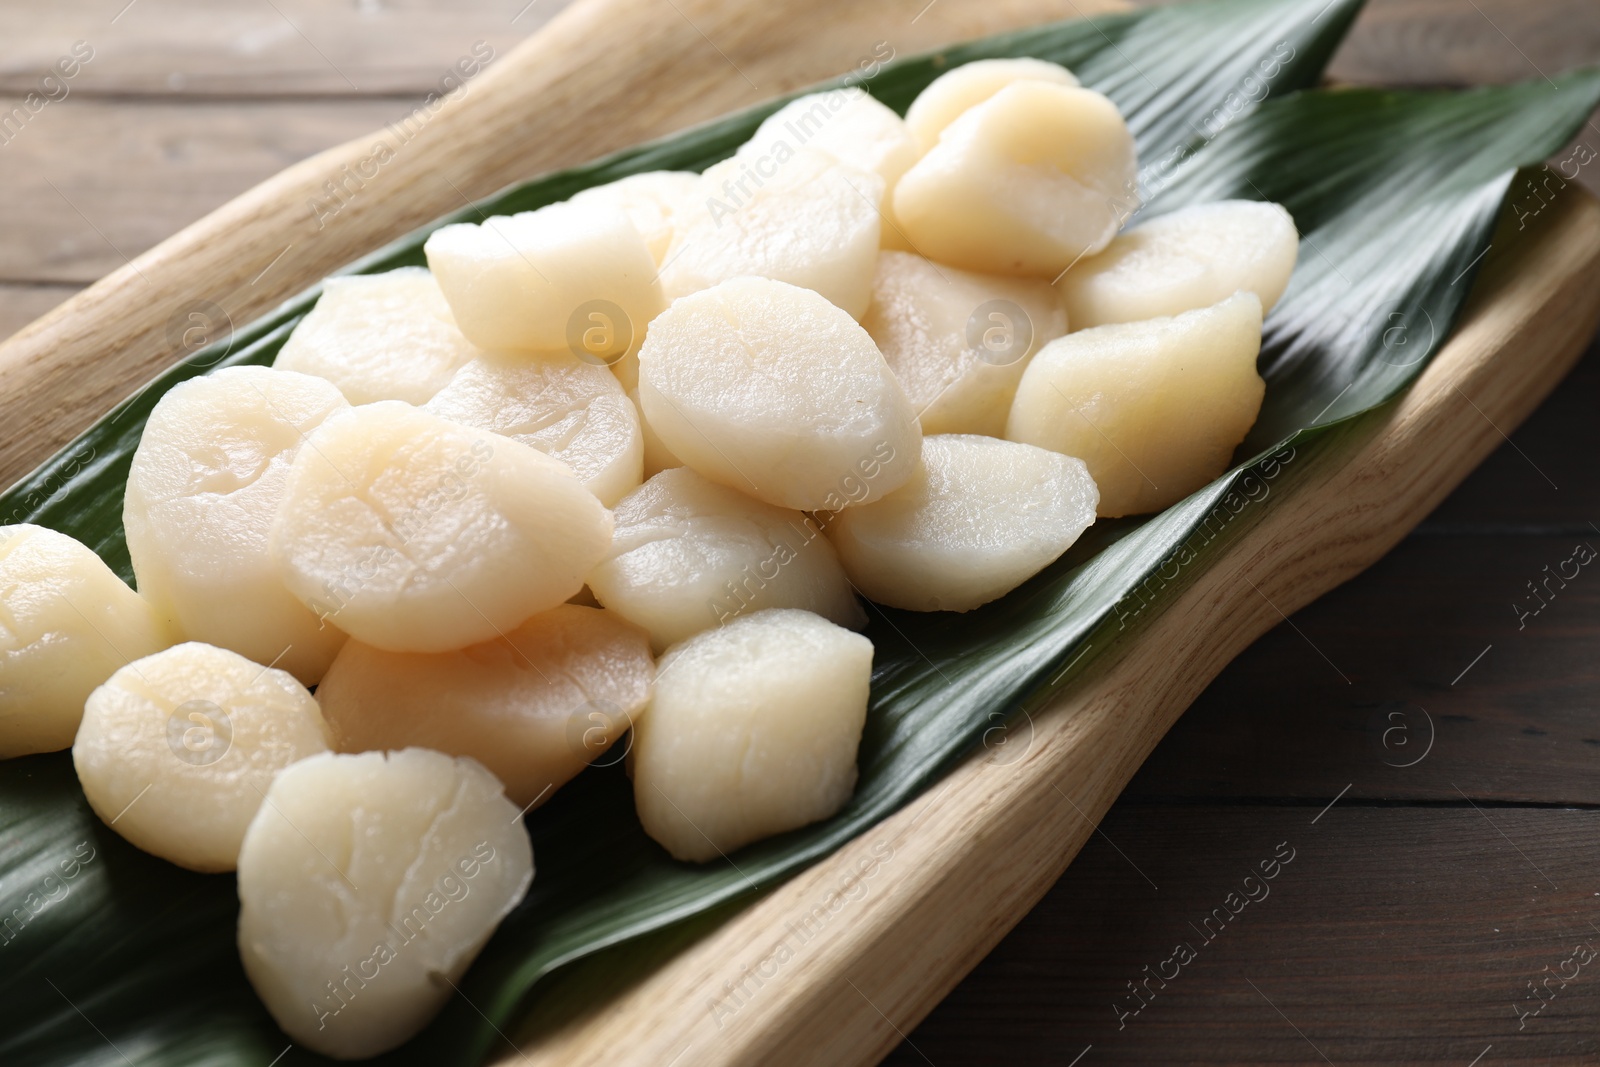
point(873, 936)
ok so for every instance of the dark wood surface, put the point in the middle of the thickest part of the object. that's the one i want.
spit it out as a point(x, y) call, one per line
point(1417, 908)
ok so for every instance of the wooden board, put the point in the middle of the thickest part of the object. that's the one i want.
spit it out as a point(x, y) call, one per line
point(1421, 56)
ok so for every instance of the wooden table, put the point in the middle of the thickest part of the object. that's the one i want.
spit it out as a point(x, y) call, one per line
point(1421, 742)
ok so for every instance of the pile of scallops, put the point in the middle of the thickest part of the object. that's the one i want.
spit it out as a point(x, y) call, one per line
point(638, 465)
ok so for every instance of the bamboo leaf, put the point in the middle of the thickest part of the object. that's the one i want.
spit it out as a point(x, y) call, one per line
point(1396, 194)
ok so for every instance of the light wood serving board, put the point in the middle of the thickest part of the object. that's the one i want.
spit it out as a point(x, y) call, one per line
point(894, 919)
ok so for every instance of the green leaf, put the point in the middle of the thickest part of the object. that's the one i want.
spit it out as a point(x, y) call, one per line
point(1395, 194)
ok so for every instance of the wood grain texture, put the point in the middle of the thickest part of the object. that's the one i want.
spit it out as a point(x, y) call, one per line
point(1545, 480)
point(21, 304)
point(1466, 42)
point(255, 97)
point(1394, 936)
point(245, 48)
point(66, 218)
point(949, 875)
point(1522, 725)
point(571, 94)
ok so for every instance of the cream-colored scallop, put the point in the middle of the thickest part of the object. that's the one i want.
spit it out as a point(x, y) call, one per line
point(957, 91)
point(657, 456)
point(768, 389)
point(958, 341)
point(367, 885)
point(752, 731)
point(177, 749)
point(1026, 182)
point(1191, 258)
point(806, 219)
point(379, 337)
point(568, 409)
point(851, 126)
point(689, 554)
point(845, 123)
point(980, 517)
point(569, 277)
point(649, 200)
point(535, 706)
point(66, 624)
point(201, 497)
point(1155, 408)
point(416, 534)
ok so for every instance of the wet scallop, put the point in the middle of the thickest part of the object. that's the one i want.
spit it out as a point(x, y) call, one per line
point(1029, 181)
point(955, 92)
point(68, 624)
point(806, 219)
point(387, 336)
point(752, 731)
point(367, 885)
point(416, 534)
point(202, 494)
point(568, 409)
point(1154, 408)
point(1188, 259)
point(689, 554)
point(177, 749)
point(535, 705)
point(980, 517)
point(768, 389)
point(958, 341)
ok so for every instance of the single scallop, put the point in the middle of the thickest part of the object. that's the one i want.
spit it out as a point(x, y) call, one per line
point(66, 624)
point(1155, 408)
point(1027, 182)
point(569, 277)
point(803, 218)
point(767, 388)
point(177, 749)
point(752, 731)
point(846, 123)
point(980, 517)
point(689, 554)
point(650, 200)
point(535, 706)
point(202, 493)
point(568, 409)
point(958, 341)
point(416, 534)
point(1191, 258)
point(367, 885)
point(379, 337)
point(957, 91)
